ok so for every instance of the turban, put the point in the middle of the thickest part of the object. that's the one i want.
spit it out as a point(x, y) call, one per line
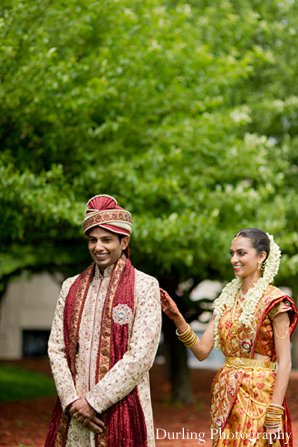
point(103, 211)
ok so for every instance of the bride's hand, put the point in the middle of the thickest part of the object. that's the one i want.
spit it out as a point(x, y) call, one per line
point(168, 305)
point(273, 435)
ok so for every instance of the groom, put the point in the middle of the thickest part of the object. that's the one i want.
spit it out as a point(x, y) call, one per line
point(103, 341)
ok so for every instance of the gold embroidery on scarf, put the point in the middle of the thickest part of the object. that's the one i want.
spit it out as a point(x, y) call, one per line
point(73, 337)
point(78, 307)
point(62, 431)
point(106, 331)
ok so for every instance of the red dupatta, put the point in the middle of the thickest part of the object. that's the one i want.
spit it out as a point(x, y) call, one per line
point(125, 421)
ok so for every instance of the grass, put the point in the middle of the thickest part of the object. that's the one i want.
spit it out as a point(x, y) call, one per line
point(19, 384)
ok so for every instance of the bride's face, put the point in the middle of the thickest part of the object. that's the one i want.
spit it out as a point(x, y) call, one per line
point(245, 259)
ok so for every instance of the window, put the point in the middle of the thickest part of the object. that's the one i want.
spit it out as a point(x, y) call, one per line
point(35, 342)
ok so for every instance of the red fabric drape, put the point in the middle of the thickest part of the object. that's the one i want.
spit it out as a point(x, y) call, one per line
point(125, 420)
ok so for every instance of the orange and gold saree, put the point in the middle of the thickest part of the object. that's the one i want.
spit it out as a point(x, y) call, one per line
point(242, 389)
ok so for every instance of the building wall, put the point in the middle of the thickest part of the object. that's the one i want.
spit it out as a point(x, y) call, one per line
point(29, 303)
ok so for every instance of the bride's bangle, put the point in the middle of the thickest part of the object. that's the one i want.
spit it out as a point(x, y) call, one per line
point(183, 333)
point(188, 337)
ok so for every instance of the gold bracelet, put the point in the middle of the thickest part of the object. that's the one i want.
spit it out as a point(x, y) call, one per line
point(274, 406)
point(188, 329)
point(188, 337)
point(273, 418)
point(270, 424)
point(192, 341)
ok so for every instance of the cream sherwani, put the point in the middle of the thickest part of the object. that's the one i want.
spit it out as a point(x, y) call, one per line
point(130, 371)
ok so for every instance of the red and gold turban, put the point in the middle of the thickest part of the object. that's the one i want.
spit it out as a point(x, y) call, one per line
point(103, 211)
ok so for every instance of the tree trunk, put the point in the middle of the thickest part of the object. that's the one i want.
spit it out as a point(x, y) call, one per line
point(176, 365)
point(175, 353)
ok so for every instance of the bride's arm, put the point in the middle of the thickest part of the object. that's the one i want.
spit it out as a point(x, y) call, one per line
point(202, 347)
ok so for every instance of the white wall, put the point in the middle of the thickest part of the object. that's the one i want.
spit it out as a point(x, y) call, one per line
point(29, 303)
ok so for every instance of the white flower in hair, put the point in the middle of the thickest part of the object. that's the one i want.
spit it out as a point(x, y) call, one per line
point(228, 295)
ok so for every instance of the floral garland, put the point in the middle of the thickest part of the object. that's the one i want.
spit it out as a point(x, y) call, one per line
point(228, 295)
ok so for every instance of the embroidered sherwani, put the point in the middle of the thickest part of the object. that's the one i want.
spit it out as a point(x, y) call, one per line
point(131, 371)
point(242, 389)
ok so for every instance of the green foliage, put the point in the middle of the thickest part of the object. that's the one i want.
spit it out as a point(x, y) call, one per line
point(186, 112)
point(18, 384)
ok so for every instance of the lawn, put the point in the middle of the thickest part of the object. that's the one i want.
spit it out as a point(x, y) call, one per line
point(17, 384)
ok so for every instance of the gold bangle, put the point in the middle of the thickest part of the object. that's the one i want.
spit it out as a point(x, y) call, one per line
point(273, 406)
point(192, 341)
point(275, 412)
point(188, 337)
point(273, 421)
point(188, 329)
point(190, 345)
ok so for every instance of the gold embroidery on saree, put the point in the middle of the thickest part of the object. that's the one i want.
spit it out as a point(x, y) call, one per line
point(239, 342)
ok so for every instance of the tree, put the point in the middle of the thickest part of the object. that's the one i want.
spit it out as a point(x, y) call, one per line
point(186, 112)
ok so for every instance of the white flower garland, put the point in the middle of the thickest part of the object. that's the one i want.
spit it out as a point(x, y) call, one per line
point(228, 295)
